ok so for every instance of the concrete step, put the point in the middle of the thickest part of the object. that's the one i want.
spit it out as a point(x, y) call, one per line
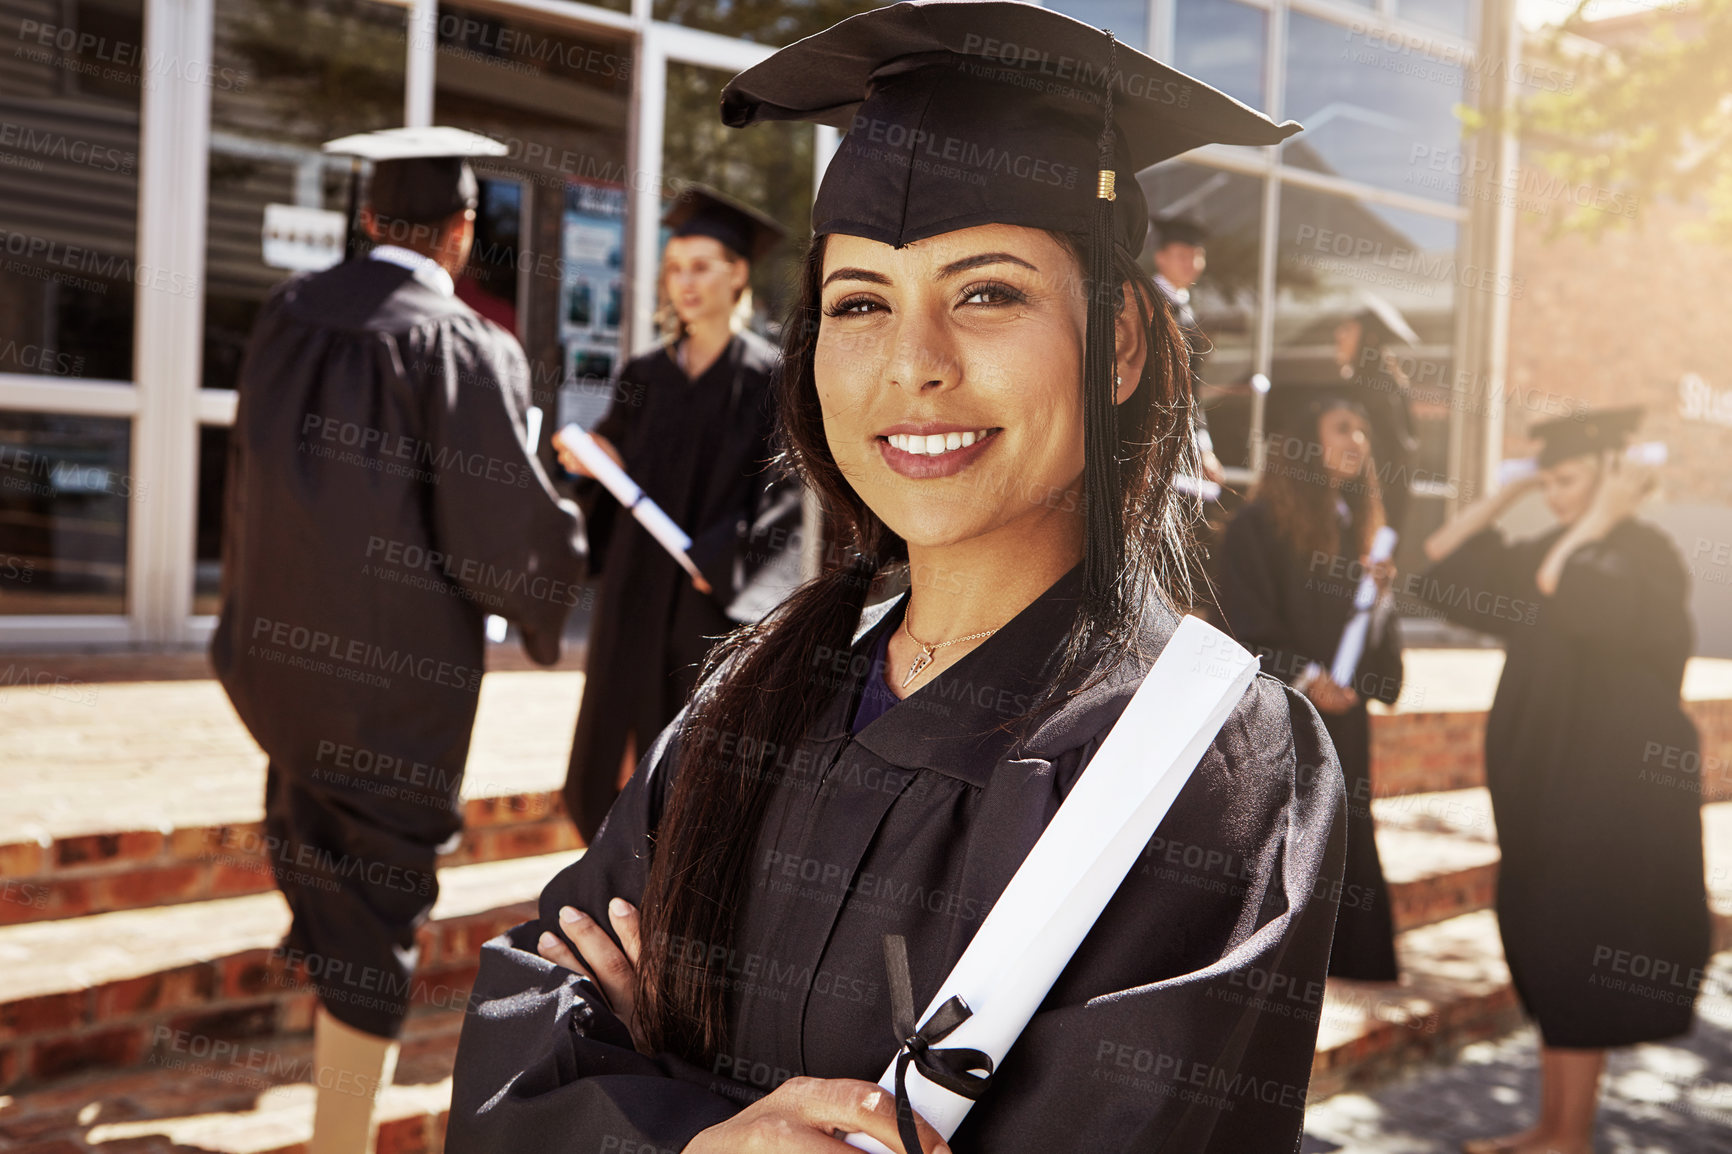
point(130, 794)
point(118, 989)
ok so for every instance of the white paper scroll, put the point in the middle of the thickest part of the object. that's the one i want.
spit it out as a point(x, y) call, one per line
point(1200, 487)
point(627, 491)
point(1085, 852)
point(1351, 647)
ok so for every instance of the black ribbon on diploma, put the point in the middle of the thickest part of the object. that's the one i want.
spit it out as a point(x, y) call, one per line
point(952, 1068)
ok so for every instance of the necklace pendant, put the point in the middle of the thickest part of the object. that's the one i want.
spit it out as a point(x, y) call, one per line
point(920, 662)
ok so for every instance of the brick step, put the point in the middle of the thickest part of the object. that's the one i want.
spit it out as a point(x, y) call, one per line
point(1439, 854)
point(115, 989)
point(255, 1097)
point(123, 795)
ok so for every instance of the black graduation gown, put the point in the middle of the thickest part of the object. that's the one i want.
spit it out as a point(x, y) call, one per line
point(1290, 611)
point(1186, 1022)
point(1600, 897)
point(380, 504)
point(701, 450)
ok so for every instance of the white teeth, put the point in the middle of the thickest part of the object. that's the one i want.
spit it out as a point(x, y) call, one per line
point(934, 444)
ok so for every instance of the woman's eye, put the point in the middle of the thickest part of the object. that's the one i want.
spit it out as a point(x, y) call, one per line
point(992, 293)
point(852, 307)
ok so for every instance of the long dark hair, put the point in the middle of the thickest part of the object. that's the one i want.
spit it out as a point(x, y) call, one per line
point(763, 690)
point(1297, 490)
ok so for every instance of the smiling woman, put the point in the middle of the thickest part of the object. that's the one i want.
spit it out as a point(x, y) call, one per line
point(989, 399)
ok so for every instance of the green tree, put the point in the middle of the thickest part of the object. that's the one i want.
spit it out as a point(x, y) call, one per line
point(1649, 114)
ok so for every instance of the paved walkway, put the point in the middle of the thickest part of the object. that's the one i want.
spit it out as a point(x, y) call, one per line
point(1667, 1098)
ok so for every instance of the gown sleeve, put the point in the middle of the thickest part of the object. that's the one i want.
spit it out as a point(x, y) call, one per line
point(1380, 672)
point(509, 539)
point(543, 1064)
point(1486, 584)
point(1250, 594)
point(600, 511)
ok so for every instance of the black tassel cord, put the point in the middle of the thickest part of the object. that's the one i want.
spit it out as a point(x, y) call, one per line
point(1104, 545)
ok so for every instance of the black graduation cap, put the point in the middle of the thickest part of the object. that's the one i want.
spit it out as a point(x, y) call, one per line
point(742, 229)
point(1179, 230)
point(1382, 325)
point(420, 175)
point(1596, 431)
point(968, 112)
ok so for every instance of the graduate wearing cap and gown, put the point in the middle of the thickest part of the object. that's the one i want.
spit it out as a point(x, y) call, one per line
point(691, 424)
point(1179, 260)
point(382, 502)
point(1362, 344)
point(1004, 443)
point(1289, 568)
point(1601, 846)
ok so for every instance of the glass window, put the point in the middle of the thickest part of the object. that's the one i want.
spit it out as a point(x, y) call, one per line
point(299, 72)
point(65, 494)
point(69, 100)
point(1454, 16)
point(548, 261)
point(1222, 43)
point(768, 166)
point(1229, 207)
point(1127, 19)
point(1374, 107)
point(775, 22)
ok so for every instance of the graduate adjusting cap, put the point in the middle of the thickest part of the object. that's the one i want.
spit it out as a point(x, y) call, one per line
point(742, 229)
point(1597, 431)
point(1381, 324)
point(420, 175)
point(968, 112)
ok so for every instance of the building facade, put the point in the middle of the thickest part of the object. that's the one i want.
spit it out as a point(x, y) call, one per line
point(161, 172)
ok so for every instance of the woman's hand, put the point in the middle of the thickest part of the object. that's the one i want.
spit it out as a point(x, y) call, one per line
point(574, 464)
point(1382, 573)
point(805, 1115)
point(613, 970)
point(1329, 697)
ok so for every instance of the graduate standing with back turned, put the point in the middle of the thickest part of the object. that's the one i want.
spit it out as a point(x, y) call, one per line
point(691, 423)
point(382, 501)
point(991, 400)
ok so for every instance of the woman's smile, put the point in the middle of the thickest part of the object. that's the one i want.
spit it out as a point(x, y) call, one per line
point(923, 450)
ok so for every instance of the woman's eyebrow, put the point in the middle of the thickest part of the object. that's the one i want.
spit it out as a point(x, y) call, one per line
point(863, 274)
point(985, 258)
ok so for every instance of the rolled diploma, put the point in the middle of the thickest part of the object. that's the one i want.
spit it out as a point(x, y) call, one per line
point(1351, 647)
point(1083, 855)
point(614, 479)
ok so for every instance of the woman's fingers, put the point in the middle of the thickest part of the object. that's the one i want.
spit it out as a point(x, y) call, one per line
point(852, 1106)
point(613, 971)
point(624, 917)
point(550, 947)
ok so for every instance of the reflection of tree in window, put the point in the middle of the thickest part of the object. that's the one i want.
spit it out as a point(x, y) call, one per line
point(328, 67)
point(775, 22)
point(769, 166)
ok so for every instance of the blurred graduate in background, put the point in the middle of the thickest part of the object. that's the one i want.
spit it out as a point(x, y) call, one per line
point(1601, 849)
point(691, 424)
point(1366, 345)
point(1290, 565)
point(1180, 258)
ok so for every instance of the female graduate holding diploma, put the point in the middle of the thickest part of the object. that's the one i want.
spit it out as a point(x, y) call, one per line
point(691, 423)
point(1601, 849)
point(1291, 562)
point(712, 975)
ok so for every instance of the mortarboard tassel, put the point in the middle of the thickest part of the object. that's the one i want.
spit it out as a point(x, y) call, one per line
point(1103, 543)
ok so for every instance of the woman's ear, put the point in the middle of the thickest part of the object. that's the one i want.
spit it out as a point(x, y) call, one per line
point(1131, 340)
point(740, 276)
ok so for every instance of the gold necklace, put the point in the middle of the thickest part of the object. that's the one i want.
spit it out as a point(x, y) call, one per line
point(927, 650)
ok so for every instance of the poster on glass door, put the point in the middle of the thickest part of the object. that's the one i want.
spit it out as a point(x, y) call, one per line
point(591, 296)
